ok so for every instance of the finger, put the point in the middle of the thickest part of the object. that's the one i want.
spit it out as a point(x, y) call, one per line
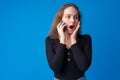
point(78, 23)
point(59, 24)
point(78, 26)
point(62, 25)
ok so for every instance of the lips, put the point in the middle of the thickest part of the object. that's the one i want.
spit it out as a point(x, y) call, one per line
point(71, 27)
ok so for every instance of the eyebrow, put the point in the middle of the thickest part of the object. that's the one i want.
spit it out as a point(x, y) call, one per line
point(70, 14)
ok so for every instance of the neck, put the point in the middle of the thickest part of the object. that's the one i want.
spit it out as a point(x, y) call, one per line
point(67, 35)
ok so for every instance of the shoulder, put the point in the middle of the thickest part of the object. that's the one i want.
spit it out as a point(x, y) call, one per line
point(47, 38)
point(87, 36)
point(84, 37)
point(50, 39)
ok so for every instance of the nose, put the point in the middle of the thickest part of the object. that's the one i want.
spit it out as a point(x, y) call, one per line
point(72, 19)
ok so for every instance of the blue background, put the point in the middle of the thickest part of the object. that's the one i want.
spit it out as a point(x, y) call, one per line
point(24, 25)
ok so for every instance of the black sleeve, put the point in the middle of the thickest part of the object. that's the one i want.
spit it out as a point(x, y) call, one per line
point(83, 55)
point(56, 56)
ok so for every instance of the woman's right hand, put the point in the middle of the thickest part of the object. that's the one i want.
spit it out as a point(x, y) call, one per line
point(61, 33)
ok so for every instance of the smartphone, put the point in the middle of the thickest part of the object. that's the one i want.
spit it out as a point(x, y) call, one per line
point(64, 26)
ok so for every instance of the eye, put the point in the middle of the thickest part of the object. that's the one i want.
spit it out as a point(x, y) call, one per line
point(76, 17)
point(68, 16)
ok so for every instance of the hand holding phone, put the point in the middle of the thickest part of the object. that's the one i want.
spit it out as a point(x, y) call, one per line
point(61, 29)
point(64, 28)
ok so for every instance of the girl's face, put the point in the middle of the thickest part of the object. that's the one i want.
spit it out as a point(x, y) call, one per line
point(70, 18)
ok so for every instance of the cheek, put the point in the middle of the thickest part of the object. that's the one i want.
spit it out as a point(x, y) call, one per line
point(65, 21)
point(76, 22)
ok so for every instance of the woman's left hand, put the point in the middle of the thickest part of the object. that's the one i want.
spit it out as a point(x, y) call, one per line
point(73, 35)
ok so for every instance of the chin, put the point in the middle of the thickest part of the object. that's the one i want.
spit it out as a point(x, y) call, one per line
point(70, 32)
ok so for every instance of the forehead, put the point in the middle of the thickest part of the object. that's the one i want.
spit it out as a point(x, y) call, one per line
point(71, 10)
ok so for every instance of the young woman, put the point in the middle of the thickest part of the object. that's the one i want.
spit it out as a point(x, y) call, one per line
point(68, 52)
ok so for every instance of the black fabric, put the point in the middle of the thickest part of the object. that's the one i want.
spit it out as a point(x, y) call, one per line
point(80, 55)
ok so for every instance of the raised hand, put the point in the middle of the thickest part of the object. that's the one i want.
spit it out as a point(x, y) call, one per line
point(74, 34)
point(60, 29)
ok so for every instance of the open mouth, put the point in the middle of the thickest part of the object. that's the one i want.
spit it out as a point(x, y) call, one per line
point(71, 27)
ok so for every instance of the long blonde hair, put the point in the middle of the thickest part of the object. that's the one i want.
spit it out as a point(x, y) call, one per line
point(53, 32)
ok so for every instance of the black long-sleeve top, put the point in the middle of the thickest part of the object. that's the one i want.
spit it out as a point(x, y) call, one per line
point(69, 64)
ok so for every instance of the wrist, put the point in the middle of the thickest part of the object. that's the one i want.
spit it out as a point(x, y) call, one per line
point(62, 41)
point(73, 41)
